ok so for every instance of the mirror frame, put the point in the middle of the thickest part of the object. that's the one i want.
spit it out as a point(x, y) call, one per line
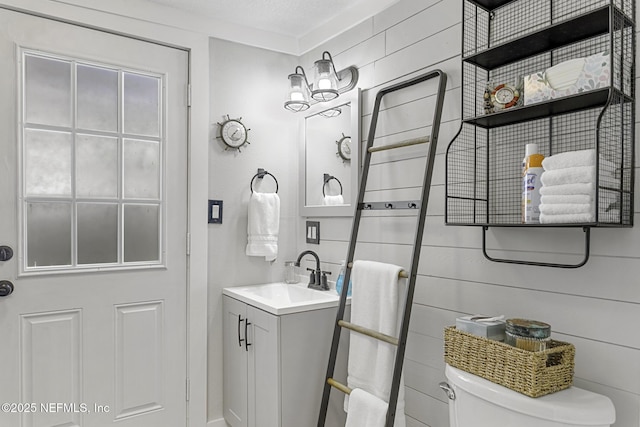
point(354, 97)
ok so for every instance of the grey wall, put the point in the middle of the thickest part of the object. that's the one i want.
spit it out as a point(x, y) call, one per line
point(250, 83)
point(595, 307)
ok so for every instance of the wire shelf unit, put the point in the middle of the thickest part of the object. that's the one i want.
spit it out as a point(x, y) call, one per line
point(505, 40)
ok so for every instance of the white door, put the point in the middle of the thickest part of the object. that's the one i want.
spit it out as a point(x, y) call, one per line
point(93, 203)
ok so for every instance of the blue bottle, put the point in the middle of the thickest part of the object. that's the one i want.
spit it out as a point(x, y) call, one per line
point(340, 280)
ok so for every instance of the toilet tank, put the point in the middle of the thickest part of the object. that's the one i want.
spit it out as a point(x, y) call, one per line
point(481, 403)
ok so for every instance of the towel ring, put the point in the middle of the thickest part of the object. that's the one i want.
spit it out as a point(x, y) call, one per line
point(328, 178)
point(261, 173)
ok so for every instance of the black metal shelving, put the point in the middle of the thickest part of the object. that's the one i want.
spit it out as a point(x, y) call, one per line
point(505, 40)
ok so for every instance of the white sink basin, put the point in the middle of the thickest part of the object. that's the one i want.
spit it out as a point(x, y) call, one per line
point(282, 298)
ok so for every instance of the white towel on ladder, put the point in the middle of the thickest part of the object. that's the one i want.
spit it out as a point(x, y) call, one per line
point(365, 410)
point(377, 303)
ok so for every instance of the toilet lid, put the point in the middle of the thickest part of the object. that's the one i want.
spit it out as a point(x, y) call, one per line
point(573, 406)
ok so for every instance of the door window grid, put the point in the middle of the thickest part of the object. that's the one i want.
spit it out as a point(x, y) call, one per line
point(110, 224)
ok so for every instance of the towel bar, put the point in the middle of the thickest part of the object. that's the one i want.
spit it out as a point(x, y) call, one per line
point(335, 384)
point(369, 332)
point(407, 143)
point(403, 274)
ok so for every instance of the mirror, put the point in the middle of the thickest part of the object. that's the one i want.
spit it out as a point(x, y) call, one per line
point(330, 157)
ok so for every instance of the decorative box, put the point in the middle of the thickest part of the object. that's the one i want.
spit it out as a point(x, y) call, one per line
point(493, 329)
point(568, 78)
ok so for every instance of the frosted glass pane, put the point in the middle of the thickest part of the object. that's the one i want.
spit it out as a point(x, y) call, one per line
point(47, 163)
point(141, 169)
point(48, 234)
point(96, 166)
point(97, 98)
point(97, 233)
point(141, 105)
point(47, 91)
point(141, 233)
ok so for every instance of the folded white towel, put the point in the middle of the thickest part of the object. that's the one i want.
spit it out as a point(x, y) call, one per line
point(377, 303)
point(566, 208)
point(333, 200)
point(263, 225)
point(570, 159)
point(568, 218)
point(587, 188)
point(365, 410)
point(578, 174)
point(568, 198)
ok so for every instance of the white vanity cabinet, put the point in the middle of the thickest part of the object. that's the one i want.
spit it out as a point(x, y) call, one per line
point(275, 365)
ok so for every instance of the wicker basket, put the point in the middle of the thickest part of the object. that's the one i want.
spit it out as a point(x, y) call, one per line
point(531, 373)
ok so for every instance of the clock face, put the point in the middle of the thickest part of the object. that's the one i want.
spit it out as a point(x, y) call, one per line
point(233, 133)
point(344, 148)
point(504, 95)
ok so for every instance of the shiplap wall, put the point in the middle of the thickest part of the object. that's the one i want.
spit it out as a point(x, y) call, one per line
point(596, 307)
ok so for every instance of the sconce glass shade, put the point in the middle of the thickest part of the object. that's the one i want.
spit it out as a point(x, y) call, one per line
point(298, 96)
point(325, 82)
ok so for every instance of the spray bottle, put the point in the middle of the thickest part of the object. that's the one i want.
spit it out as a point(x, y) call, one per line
point(531, 172)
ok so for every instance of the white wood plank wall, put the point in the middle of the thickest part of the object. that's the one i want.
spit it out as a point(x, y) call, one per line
point(596, 307)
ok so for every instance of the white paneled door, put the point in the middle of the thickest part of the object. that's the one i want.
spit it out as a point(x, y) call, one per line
point(93, 206)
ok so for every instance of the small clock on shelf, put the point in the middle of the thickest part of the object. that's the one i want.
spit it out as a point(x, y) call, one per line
point(501, 97)
point(344, 148)
point(233, 133)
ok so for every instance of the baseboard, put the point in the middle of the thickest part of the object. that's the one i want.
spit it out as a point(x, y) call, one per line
point(217, 423)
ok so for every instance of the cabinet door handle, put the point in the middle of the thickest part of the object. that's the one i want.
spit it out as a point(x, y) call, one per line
point(245, 330)
point(246, 337)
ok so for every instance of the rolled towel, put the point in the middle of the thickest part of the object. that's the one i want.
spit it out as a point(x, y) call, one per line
point(570, 159)
point(566, 208)
point(568, 198)
point(607, 180)
point(574, 175)
point(568, 218)
point(587, 188)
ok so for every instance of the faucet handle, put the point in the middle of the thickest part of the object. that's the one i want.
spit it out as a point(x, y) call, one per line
point(312, 276)
point(323, 282)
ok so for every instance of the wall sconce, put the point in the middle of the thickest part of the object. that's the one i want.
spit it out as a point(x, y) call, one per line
point(298, 98)
point(327, 84)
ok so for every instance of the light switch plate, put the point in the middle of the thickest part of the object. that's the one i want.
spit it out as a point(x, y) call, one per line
point(215, 212)
point(313, 232)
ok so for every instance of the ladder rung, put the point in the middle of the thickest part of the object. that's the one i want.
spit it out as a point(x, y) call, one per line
point(399, 204)
point(369, 332)
point(403, 274)
point(343, 388)
point(406, 143)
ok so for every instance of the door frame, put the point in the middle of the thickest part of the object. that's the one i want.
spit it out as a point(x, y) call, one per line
point(197, 47)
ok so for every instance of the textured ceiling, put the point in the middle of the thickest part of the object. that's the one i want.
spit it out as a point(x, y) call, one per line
point(287, 17)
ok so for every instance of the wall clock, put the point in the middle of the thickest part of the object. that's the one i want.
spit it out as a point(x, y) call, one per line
point(344, 148)
point(233, 133)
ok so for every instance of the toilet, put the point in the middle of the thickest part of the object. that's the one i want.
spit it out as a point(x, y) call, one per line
point(476, 402)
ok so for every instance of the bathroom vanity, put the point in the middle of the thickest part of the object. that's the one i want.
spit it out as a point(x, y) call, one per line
point(277, 339)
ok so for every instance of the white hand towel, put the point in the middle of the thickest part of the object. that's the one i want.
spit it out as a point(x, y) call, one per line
point(587, 188)
point(570, 159)
point(365, 410)
point(377, 303)
point(574, 175)
point(333, 200)
point(568, 198)
point(263, 225)
point(568, 218)
point(566, 208)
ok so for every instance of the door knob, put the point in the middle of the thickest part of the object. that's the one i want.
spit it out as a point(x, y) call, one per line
point(6, 288)
point(6, 253)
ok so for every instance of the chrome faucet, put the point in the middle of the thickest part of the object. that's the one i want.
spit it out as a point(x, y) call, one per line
point(318, 278)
